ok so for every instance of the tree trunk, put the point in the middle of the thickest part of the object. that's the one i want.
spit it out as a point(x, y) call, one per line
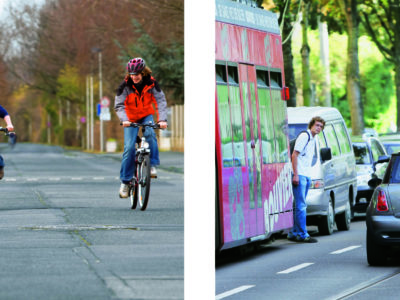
point(324, 50)
point(305, 56)
point(397, 59)
point(288, 61)
point(349, 7)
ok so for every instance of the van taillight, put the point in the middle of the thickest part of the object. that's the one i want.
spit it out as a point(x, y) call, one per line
point(382, 202)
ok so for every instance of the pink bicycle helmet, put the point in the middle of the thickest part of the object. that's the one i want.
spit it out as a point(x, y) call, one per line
point(135, 66)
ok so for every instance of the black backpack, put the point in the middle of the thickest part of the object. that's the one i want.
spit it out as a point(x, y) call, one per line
point(293, 142)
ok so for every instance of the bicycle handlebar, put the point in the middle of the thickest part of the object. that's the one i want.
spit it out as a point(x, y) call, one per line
point(5, 130)
point(154, 126)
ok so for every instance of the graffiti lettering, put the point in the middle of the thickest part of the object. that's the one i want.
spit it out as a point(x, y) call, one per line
point(278, 198)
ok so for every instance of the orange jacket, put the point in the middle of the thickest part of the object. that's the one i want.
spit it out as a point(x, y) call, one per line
point(132, 106)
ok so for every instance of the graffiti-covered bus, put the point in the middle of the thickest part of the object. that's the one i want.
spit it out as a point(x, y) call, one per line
point(253, 171)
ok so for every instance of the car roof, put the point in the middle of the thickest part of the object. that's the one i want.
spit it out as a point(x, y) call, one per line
point(303, 114)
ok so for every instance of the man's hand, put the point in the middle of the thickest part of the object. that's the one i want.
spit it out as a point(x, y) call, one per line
point(126, 123)
point(295, 180)
point(163, 124)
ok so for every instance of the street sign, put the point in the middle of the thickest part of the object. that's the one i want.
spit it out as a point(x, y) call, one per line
point(105, 114)
point(105, 102)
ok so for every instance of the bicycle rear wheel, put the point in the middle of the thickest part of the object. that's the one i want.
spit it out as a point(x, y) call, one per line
point(133, 195)
point(143, 186)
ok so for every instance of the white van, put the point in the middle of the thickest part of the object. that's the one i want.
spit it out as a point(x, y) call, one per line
point(334, 177)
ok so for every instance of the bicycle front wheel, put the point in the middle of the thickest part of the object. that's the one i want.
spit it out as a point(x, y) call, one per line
point(143, 187)
point(133, 195)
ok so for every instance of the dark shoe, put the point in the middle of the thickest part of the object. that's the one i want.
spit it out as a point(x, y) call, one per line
point(292, 238)
point(308, 239)
point(1, 173)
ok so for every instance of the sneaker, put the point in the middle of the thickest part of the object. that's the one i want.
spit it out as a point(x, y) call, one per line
point(1, 173)
point(124, 190)
point(153, 172)
point(308, 239)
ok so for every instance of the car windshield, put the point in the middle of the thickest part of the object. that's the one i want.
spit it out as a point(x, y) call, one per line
point(361, 154)
point(295, 129)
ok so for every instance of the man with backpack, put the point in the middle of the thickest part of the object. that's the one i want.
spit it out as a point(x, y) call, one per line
point(302, 156)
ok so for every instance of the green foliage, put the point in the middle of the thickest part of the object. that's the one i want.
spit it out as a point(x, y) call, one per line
point(376, 76)
point(165, 60)
point(68, 84)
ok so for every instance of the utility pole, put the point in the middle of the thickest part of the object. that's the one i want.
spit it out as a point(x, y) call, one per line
point(91, 114)
point(87, 115)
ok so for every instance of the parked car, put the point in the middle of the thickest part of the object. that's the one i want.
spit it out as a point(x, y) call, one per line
point(383, 214)
point(368, 151)
point(334, 183)
point(391, 142)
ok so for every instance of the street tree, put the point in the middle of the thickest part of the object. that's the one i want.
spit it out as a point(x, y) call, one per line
point(381, 20)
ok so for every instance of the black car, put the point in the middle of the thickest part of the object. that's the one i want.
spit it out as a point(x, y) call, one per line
point(383, 214)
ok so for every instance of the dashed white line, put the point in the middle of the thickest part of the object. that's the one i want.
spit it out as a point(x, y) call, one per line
point(345, 249)
point(98, 178)
point(295, 268)
point(234, 291)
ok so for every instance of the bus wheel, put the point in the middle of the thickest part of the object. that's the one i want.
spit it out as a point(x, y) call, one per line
point(326, 223)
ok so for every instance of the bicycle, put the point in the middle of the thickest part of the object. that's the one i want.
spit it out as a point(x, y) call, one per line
point(139, 188)
point(7, 133)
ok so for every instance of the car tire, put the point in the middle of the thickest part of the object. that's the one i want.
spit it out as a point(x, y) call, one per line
point(326, 223)
point(376, 254)
point(343, 220)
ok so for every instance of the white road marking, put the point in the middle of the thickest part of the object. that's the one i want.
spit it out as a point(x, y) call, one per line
point(98, 178)
point(234, 291)
point(10, 179)
point(32, 179)
point(54, 178)
point(295, 268)
point(345, 249)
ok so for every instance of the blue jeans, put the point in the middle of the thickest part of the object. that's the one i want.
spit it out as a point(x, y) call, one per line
point(1, 162)
point(128, 157)
point(300, 211)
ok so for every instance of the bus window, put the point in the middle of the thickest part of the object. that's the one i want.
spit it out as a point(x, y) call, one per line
point(276, 80)
point(236, 110)
point(267, 126)
point(279, 117)
point(224, 117)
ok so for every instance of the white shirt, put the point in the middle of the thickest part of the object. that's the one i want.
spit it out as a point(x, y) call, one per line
point(304, 159)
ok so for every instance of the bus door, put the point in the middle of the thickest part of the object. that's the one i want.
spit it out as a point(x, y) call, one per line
point(247, 81)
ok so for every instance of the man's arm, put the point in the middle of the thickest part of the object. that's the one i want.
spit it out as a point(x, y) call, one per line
point(295, 179)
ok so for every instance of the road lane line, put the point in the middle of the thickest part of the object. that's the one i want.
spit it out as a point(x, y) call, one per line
point(295, 268)
point(345, 249)
point(234, 291)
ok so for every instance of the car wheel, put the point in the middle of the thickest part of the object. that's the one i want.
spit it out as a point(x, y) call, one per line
point(343, 220)
point(376, 254)
point(326, 223)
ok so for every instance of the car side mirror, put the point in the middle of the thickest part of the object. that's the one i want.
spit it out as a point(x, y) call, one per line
point(326, 154)
point(382, 159)
point(374, 182)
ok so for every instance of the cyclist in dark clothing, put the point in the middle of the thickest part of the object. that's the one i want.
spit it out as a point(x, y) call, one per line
point(4, 115)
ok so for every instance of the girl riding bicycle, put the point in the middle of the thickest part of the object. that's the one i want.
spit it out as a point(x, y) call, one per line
point(138, 98)
point(4, 114)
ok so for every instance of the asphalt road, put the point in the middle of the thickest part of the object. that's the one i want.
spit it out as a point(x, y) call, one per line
point(65, 233)
point(334, 268)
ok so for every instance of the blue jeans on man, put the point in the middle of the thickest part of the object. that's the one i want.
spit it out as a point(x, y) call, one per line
point(300, 191)
point(128, 157)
